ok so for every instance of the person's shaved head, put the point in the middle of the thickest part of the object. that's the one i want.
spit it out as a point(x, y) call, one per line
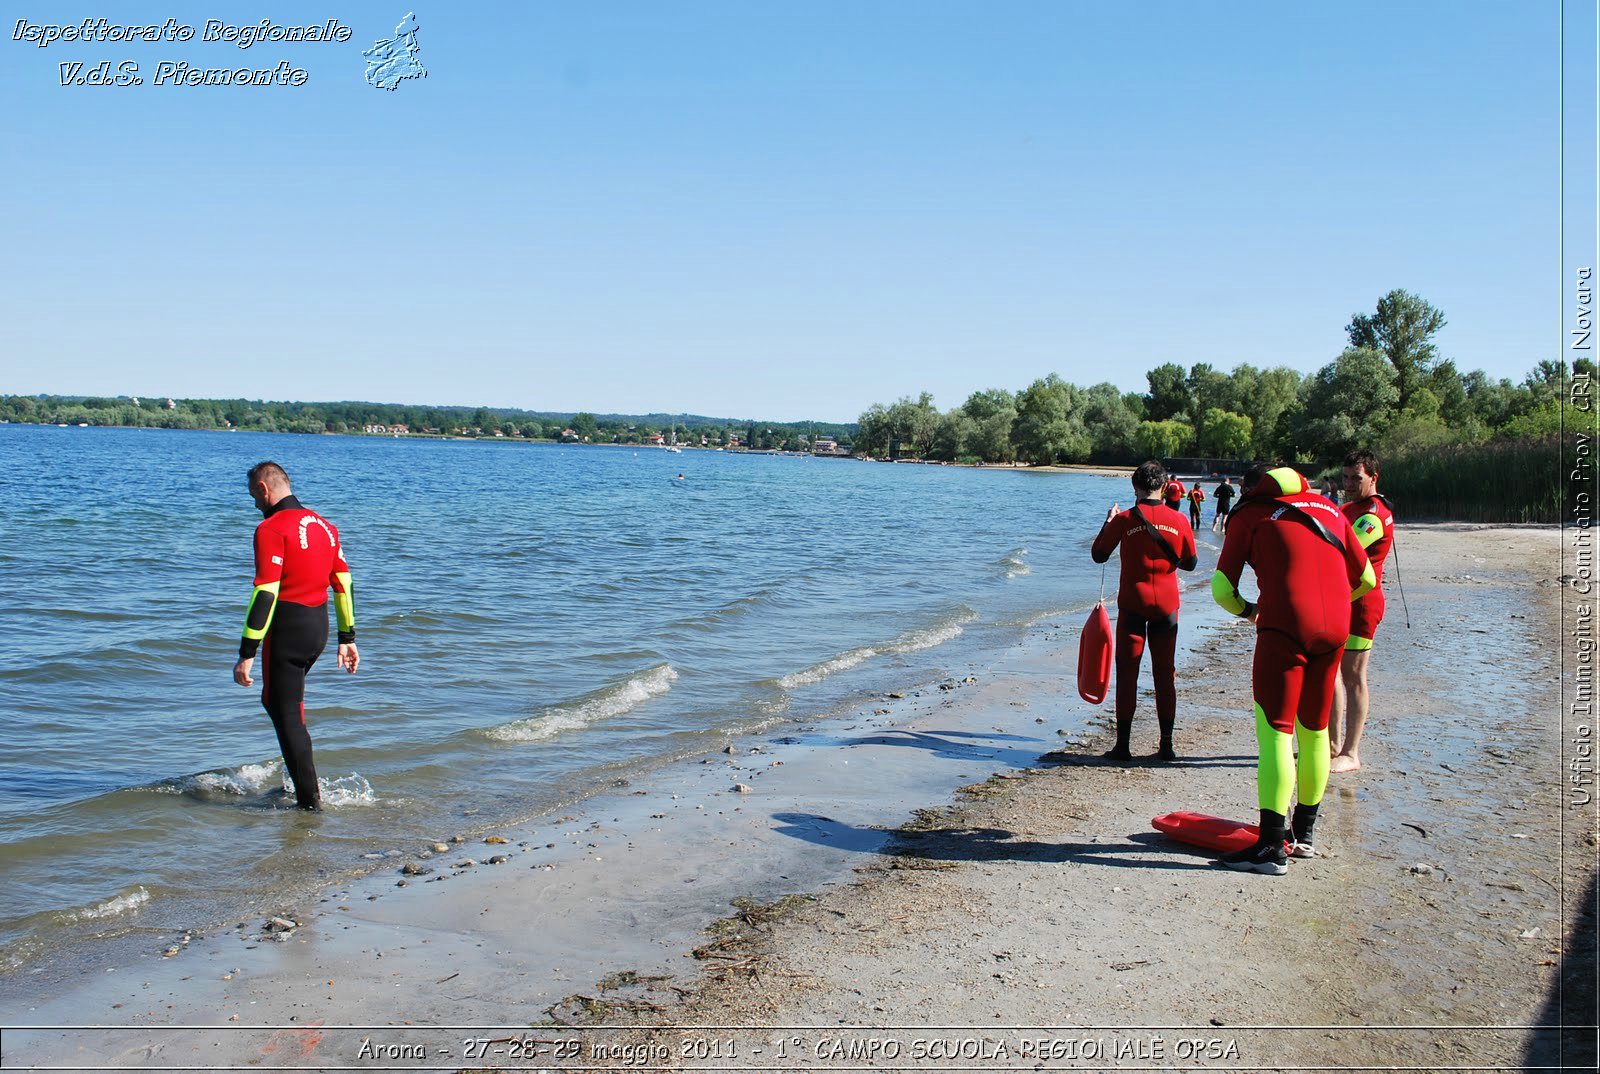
point(269, 474)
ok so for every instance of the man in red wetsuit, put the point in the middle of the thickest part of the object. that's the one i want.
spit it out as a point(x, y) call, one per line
point(1155, 541)
point(1373, 523)
point(1309, 567)
point(298, 558)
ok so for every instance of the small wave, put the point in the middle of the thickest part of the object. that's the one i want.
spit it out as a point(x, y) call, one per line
point(351, 790)
point(121, 904)
point(909, 642)
point(250, 779)
point(1014, 564)
point(915, 640)
point(607, 704)
point(817, 672)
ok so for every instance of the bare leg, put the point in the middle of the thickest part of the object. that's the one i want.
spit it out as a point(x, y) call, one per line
point(1353, 670)
point(1336, 715)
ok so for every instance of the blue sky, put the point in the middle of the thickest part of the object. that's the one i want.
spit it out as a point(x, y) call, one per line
point(780, 210)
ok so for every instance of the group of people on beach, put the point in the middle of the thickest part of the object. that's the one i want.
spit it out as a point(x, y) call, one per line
point(1318, 569)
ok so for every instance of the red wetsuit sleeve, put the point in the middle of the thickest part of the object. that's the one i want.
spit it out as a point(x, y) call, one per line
point(1188, 552)
point(270, 549)
point(1231, 561)
point(343, 591)
point(269, 554)
point(1110, 535)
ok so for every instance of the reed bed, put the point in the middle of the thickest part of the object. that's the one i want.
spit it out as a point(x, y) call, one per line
point(1508, 481)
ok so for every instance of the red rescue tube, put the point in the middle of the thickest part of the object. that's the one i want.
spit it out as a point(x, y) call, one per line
point(1204, 830)
point(1094, 656)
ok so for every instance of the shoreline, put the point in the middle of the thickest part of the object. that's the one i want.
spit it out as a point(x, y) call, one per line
point(800, 832)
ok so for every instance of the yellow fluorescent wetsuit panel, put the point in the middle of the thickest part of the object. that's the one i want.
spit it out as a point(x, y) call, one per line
point(344, 602)
point(1225, 594)
point(258, 616)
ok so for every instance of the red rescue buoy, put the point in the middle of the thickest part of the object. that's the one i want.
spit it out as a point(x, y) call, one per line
point(1203, 830)
point(1094, 656)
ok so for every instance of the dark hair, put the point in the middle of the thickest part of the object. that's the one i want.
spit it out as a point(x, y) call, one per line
point(266, 472)
point(1149, 477)
point(1252, 477)
point(1364, 459)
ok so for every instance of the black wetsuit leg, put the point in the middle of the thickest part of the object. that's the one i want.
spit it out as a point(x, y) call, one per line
point(297, 638)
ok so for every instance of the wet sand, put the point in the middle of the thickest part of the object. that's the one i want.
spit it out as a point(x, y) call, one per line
point(1450, 890)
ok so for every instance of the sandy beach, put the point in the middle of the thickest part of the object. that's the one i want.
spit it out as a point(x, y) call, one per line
point(949, 879)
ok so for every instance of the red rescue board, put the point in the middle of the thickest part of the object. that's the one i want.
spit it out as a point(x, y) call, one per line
point(1203, 830)
point(1094, 656)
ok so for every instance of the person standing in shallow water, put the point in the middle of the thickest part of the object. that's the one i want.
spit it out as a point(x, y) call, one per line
point(1224, 494)
point(1197, 496)
point(1155, 542)
point(298, 559)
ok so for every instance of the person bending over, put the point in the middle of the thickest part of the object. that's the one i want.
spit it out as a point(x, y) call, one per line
point(1309, 567)
point(298, 558)
point(1155, 542)
point(1373, 522)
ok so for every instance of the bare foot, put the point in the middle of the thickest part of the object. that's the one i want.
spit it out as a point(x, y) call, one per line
point(1118, 753)
point(1344, 762)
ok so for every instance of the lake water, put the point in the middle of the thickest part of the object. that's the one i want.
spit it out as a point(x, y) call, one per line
point(536, 623)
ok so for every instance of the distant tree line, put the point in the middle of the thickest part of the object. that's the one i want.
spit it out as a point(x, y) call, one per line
point(383, 418)
point(1389, 390)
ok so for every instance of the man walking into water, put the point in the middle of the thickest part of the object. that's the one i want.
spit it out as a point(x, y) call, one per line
point(1155, 542)
point(298, 559)
point(1309, 567)
point(1224, 497)
point(1373, 522)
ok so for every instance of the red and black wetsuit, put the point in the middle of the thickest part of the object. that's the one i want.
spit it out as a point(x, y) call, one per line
point(298, 558)
point(1373, 524)
point(1147, 604)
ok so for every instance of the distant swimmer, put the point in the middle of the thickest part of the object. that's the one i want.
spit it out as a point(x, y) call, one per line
point(1154, 543)
point(680, 477)
point(1308, 567)
point(298, 559)
point(1373, 522)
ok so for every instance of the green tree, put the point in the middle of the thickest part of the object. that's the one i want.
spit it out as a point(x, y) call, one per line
point(585, 425)
point(1268, 398)
point(1047, 429)
point(1110, 423)
point(1449, 388)
point(873, 432)
point(1169, 393)
point(1225, 435)
point(993, 412)
point(1209, 388)
point(1162, 439)
point(913, 423)
point(1402, 330)
point(954, 437)
point(1350, 403)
